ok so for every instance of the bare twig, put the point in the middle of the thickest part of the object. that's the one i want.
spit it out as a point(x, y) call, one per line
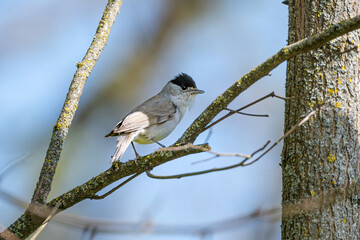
point(218, 154)
point(178, 176)
point(243, 163)
point(205, 171)
point(247, 114)
point(303, 45)
point(71, 103)
point(208, 135)
point(272, 94)
point(97, 197)
point(203, 149)
point(93, 232)
point(284, 136)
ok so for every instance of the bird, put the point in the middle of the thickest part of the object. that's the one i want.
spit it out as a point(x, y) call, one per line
point(157, 117)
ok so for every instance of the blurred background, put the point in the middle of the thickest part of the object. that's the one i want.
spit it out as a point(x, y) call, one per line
point(215, 42)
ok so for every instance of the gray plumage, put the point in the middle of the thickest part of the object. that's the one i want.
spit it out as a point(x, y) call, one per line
point(157, 117)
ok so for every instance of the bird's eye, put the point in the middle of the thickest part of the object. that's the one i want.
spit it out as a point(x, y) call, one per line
point(183, 87)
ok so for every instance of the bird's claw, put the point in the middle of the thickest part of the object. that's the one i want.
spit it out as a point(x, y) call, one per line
point(136, 158)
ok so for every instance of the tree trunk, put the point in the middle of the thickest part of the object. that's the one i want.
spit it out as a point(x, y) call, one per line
point(320, 160)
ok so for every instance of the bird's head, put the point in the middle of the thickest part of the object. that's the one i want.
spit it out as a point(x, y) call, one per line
point(182, 90)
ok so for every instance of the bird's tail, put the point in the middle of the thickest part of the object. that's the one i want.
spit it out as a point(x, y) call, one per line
point(122, 144)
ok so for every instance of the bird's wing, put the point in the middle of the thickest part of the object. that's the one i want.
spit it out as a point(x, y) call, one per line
point(132, 122)
point(156, 110)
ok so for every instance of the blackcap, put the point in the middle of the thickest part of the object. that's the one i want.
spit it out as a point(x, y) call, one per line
point(157, 117)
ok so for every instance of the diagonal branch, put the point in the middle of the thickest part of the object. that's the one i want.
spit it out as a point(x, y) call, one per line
point(32, 219)
point(272, 94)
point(71, 103)
point(97, 197)
point(304, 45)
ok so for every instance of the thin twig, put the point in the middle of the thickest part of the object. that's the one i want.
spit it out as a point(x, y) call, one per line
point(229, 154)
point(92, 233)
point(260, 149)
point(178, 176)
point(97, 197)
point(286, 53)
point(208, 135)
point(247, 114)
point(243, 162)
point(284, 136)
point(237, 110)
point(204, 171)
point(216, 156)
point(272, 94)
point(204, 149)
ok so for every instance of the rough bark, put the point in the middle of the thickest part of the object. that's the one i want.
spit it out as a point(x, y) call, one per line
point(320, 162)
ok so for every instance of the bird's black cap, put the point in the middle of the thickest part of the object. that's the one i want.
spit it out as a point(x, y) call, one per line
point(184, 81)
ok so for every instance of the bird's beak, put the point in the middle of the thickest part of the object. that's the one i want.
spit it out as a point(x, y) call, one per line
point(197, 91)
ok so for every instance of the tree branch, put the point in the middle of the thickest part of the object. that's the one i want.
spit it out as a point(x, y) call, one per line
point(97, 197)
point(71, 103)
point(27, 223)
point(242, 163)
point(272, 94)
point(222, 101)
point(69, 108)
point(203, 149)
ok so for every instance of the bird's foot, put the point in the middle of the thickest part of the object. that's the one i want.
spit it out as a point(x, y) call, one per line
point(137, 157)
